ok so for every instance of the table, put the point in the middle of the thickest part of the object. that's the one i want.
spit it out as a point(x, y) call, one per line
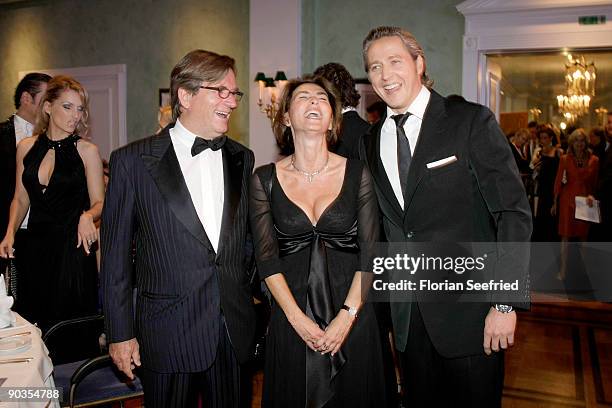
point(36, 373)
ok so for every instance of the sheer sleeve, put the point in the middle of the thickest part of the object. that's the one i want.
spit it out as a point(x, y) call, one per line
point(368, 220)
point(262, 225)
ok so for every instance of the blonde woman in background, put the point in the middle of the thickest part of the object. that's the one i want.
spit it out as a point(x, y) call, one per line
point(59, 176)
point(576, 176)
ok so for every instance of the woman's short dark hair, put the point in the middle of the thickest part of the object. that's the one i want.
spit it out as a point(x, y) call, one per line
point(548, 131)
point(283, 134)
point(338, 75)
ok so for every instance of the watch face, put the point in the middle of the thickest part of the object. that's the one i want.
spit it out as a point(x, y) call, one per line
point(503, 308)
point(351, 310)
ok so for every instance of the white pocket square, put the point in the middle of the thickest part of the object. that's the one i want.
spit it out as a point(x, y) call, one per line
point(442, 162)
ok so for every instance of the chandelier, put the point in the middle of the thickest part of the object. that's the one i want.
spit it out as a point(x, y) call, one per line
point(579, 87)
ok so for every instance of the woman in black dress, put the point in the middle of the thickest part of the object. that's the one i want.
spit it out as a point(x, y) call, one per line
point(312, 214)
point(545, 163)
point(59, 177)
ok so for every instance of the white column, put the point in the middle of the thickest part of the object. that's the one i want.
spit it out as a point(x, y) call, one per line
point(275, 45)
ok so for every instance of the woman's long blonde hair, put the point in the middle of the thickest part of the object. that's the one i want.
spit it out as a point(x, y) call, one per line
point(56, 86)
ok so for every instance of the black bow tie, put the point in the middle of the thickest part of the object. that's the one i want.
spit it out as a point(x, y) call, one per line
point(200, 144)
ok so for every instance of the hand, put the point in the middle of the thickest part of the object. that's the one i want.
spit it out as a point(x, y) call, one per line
point(6, 247)
point(87, 232)
point(590, 200)
point(126, 356)
point(553, 209)
point(499, 330)
point(336, 333)
point(308, 330)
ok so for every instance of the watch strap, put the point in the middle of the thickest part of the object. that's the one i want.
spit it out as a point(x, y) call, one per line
point(351, 310)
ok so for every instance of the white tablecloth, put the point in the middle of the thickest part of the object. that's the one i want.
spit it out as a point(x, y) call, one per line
point(36, 373)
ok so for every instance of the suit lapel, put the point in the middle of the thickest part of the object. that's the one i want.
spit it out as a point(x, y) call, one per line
point(432, 129)
point(387, 201)
point(233, 166)
point(164, 167)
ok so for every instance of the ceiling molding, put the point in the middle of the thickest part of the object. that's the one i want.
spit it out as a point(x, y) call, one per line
point(495, 6)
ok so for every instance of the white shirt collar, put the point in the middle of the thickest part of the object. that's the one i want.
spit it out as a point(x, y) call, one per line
point(21, 122)
point(23, 128)
point(348, 109)
point(418, 106)
point(184, 135)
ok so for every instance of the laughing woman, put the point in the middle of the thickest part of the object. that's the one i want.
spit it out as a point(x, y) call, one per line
point(59, 176)
point(311, 215)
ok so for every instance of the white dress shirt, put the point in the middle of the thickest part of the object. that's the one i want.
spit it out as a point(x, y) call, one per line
point(23, 129)
point(388, 139)
point(203, 175)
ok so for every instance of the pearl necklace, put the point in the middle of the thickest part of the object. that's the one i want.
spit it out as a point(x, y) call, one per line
point(308, 175)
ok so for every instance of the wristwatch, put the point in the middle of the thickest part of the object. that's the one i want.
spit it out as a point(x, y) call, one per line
point(352, 311)
point(504, 308)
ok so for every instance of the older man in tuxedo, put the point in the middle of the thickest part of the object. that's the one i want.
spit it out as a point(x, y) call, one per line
point(180, 199)
point(443, 172)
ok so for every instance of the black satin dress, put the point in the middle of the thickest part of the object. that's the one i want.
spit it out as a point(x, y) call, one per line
point(318, 263)
point(59, 280)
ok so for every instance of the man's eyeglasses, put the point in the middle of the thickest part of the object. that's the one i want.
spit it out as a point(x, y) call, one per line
point(224, 93)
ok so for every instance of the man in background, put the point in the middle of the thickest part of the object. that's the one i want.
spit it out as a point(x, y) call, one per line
point(20, 125)
point(353, 126)
point(605, 185)
point(376, 111)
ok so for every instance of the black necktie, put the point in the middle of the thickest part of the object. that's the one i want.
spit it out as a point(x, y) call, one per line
point(201, 144)
point(404, 156)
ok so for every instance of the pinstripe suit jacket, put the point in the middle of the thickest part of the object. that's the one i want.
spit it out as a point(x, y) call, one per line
point(183, 285)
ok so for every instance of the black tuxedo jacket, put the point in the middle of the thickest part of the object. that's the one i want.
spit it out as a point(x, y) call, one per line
point(478, 198)
point(183, 286)
point(353, 128)
point(8, 168)
point(605, 195)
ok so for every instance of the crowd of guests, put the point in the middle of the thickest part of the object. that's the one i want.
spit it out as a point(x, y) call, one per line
point(175, 224)
point(556, 167)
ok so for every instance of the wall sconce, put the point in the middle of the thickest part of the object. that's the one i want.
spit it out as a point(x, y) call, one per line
point(601, 116)
point(269, 92)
